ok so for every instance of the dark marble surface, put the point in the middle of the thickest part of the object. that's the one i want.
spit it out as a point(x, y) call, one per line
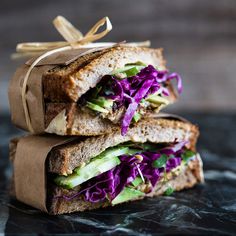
point(208, 209)
point(198, 38)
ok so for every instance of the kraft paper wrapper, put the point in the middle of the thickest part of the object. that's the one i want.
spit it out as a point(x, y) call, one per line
point(34, 94)
point(30, 171)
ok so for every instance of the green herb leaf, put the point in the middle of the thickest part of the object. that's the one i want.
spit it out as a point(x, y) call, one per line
point(187, 155)
point(169, 191)
point(160, 162)
point(136, 117)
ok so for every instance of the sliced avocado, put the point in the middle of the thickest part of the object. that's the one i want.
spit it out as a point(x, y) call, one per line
point(128, 70)
point(94, 168)
point(133, 151)
point(114, 152)
point(118, 151)
point(157, 99)
point(137, 63)
point(96, 107)
point(103, 102)
point(121, 70)
point(126, 195)
point(132, 71)
point(137, 181)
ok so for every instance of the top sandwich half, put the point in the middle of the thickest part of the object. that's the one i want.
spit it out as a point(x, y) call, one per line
point(118, 85)
point(105, 90)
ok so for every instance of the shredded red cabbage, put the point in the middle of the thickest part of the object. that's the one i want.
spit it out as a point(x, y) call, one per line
point(111, 183)
point(130, 91)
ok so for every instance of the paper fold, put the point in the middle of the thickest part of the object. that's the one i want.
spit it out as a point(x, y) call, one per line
point(34, 92)
point(30, 180)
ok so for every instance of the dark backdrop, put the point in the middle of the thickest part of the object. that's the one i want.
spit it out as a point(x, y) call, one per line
point(198, 37)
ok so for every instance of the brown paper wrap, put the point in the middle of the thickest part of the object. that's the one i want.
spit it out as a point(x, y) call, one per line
point(29, 162)
point(25, 89)
point(34, 93)
point(30, 180)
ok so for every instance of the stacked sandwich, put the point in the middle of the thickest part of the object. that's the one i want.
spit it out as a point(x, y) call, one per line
point(108, 141)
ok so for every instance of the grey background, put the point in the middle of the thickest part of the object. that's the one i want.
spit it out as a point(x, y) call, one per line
point(198, 38)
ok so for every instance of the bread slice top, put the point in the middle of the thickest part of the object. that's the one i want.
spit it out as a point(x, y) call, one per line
point(68, 83)
point(65, 158)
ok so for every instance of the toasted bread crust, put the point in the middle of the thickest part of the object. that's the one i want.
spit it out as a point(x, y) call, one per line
point(58, 82)
point(190, 176)
point(68, 83)
point(63, 159)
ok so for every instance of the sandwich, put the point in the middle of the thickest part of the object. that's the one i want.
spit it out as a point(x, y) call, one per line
point(62, 174)
point(96, 93)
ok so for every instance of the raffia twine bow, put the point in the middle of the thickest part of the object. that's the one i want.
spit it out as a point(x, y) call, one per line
point(74, 39)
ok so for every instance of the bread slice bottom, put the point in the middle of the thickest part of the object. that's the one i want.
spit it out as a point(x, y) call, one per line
point(189, 175)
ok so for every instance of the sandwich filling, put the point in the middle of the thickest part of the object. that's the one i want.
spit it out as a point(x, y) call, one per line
point(125, 172)
point(127, 93)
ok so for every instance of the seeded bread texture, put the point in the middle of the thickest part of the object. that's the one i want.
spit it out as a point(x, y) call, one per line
point(68, 83)
point(188, 177)
point(63, 159)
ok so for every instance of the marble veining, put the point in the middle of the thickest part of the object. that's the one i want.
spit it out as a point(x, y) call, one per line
point(208, 209)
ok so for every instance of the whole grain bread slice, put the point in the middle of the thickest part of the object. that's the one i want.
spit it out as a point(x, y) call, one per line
point(189, 176)
point(68, 83)
point(64, 158)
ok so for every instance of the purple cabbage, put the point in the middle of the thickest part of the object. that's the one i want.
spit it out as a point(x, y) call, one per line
point(111, 183)
point(130, 91)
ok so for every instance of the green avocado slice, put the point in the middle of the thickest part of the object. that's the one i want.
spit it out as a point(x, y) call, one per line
point(126, 195)
point(137, 182)
point(157, 99)
point(96, 107)
point(103, 102)
point(130, 69)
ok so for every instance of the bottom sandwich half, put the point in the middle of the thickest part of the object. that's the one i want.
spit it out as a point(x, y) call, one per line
point(62, 175)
